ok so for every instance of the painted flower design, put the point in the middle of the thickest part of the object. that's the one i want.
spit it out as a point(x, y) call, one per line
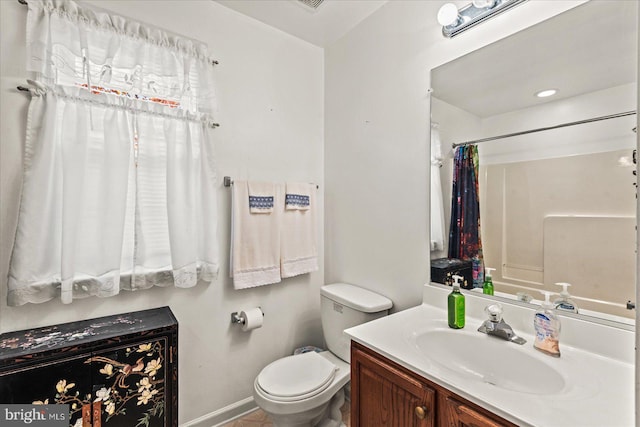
point(143, 399)
point(144, 348)
point(107, 370)
point(102, 394)
point(62, 386)
point(152, 367)
point(144, 384)
point(113, 397)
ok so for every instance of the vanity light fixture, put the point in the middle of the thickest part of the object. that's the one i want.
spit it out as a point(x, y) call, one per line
point(547, 92)
point(483, 3)
point(455, 21)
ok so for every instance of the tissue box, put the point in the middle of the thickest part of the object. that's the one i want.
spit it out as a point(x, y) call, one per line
point(443, 269)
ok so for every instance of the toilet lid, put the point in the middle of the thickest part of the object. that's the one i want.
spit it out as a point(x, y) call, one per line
point(297, 377)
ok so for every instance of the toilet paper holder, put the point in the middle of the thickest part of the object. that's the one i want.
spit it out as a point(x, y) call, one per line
point(235, 317)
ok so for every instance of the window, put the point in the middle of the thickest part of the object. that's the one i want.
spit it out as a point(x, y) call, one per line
point(119, 171)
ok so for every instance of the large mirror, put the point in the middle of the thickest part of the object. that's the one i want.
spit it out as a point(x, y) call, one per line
point(557, 201)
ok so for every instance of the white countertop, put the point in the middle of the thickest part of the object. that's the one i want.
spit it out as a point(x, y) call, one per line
point(599, 376)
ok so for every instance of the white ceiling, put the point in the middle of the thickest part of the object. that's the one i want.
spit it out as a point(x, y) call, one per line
point(329, 22)
point(588, 48)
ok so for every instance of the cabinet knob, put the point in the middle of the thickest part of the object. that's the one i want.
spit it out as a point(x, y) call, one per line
point(421, 412)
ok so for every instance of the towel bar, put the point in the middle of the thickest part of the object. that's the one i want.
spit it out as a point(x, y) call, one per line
point(228, 182)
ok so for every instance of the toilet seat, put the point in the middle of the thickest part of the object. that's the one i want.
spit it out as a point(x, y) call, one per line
point(296, 377)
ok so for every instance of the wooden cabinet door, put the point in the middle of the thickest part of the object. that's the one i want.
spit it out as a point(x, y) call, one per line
point(130, 384)
point(455, 413)
point(63, 381)
point(386, 395)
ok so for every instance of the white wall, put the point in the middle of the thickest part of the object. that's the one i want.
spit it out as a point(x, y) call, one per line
point(376, 139)
point(270, 97)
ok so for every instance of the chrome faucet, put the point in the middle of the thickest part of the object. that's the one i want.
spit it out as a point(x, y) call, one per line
point(497, 327)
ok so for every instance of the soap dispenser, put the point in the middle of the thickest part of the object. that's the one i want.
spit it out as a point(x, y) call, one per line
point(455, 303)
point(487, 288)
point(565, 302)
point(547, 328)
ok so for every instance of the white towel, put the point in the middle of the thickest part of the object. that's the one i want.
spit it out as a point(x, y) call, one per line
point(255, 240)
point(298, 234)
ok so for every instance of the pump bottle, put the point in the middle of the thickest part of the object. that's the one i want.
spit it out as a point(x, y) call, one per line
point(487, 288)
point(456, 303)
point(547, 328)
point(565, 302)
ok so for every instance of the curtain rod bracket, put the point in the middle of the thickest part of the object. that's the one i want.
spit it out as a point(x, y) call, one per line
point(24, 2)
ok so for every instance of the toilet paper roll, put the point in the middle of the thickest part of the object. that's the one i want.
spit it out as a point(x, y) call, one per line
point(252, 319)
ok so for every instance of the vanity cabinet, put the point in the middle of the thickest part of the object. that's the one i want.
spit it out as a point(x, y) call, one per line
point(384, 393)
point(119, 370)
point(455, 411)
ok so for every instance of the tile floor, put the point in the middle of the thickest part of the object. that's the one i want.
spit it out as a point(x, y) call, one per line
point(258, 418)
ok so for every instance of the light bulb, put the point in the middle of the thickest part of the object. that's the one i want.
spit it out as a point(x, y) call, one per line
point(448, 14)
point(480, 4)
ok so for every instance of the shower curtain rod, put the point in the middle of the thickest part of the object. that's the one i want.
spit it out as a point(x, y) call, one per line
point(579, 122)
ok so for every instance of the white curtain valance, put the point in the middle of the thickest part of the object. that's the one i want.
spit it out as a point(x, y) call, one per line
point(119, 170)
point(98, 19)
point(73, 45)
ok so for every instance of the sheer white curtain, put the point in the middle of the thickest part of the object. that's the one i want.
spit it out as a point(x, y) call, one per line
point(119, 171)
point(437, 204)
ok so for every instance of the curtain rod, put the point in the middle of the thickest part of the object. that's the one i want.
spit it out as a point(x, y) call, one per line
point(228, 182)
point(579, 122)
point(208, 123)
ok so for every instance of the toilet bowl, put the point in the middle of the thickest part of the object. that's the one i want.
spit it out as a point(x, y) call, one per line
point(307, 389)
point(290, 402)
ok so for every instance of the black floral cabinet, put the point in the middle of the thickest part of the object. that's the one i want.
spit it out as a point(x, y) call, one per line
point(114, 371)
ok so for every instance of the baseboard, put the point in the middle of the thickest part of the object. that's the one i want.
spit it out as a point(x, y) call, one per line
point(223, 415)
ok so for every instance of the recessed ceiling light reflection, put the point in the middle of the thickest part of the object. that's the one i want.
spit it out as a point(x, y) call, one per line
point(547, 92)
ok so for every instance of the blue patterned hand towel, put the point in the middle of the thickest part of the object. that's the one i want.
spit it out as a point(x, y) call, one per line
point(261, 196)
point(297, 196)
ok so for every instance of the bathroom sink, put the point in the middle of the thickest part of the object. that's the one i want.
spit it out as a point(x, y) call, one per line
point(491, 360)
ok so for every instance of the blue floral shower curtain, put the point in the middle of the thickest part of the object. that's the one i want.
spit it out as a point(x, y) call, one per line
point(464, 235)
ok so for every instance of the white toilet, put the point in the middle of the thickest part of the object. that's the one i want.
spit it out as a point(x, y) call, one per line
point(307, 389)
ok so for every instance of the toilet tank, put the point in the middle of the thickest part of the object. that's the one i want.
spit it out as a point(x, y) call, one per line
point(342, 306)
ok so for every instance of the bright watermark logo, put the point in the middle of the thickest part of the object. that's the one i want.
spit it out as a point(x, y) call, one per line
point(34, 415)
